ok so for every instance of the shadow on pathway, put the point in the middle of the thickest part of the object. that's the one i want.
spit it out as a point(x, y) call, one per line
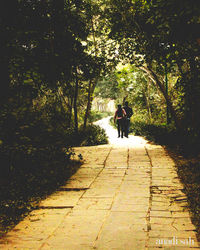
point(125, 196)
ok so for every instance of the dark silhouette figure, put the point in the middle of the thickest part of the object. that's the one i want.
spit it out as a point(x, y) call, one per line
point(119, 116)
point(129, 113)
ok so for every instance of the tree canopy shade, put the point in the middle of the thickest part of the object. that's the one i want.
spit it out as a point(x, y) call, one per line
point(42, 43)
point(162, 36)
point(54, 52)
point(56, 55)
point(46, 67)
point(44, 36)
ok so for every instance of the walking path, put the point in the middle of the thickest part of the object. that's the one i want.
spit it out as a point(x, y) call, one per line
point(126, 196)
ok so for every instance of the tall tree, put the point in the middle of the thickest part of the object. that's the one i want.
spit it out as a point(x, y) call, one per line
point(151, 35)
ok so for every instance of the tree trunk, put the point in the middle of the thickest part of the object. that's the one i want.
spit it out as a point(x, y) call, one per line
point(146, 96)
point(68, 105)
point(60, 101)
point(70, 100)
point(194, 95)
point(92, 85)
point(75, 104)
point(161, 86)
point(88, 104)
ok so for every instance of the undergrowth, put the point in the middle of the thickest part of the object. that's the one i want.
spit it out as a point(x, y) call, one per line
point(35, 159)
point(98, 115)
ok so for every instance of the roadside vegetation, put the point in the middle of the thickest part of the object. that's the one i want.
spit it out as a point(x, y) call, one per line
point(98, 115)
point(48, 73)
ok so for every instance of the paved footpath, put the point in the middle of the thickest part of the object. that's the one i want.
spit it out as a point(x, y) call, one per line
point(126, 196)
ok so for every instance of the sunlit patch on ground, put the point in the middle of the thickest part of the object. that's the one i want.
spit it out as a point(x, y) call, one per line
point(131, 141)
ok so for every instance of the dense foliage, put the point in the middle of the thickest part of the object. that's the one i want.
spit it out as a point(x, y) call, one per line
point(161, 39)
point(46, 68)
point(127, 83)
point(56, 55)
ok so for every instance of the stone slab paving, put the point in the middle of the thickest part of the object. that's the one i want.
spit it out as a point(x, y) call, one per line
point(125, 196)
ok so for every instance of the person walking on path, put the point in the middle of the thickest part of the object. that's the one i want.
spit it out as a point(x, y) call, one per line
point(120, 115)
point(129, 113)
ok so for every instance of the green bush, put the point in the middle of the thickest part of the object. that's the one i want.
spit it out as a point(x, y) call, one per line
point(32, 144)
point(35, 159)
point(36, 145)
point(92, 135)
point(168, 135)
point(97, 115)
point(158, 133)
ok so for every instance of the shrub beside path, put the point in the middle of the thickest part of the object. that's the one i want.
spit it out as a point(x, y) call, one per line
point(125, 196)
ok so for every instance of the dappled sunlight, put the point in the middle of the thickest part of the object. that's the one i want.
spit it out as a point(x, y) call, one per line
point(131, 141)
